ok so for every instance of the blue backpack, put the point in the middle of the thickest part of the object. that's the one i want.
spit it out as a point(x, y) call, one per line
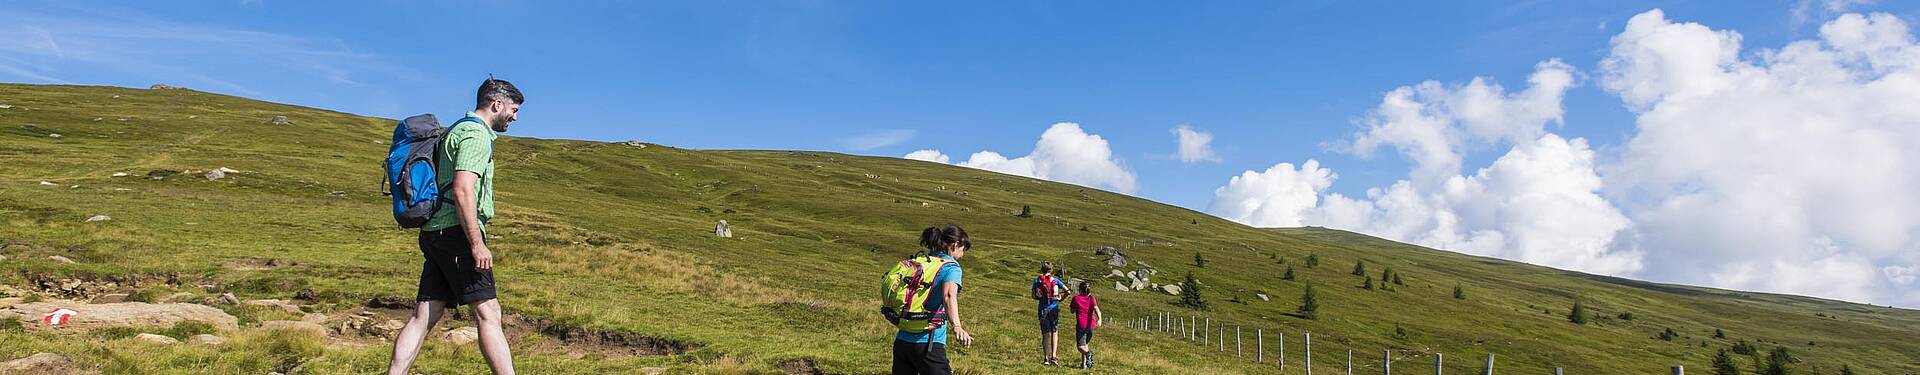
point(412, 178)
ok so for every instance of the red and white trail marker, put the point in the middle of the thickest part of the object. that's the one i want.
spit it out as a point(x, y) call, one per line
point(58, 317)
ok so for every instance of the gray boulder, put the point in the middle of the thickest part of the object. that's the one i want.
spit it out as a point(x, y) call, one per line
point(723, 230)
point(1120, 286)
point(279, 120)
point(1171, 289)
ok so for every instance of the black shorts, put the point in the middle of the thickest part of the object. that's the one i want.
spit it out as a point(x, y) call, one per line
point(1082, 336)
point(1050, 320)
point(920, 359)
point(447, 274)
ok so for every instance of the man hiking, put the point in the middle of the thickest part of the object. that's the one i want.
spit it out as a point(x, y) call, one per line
point(925, 353)
point(459, 268)
point(1086, 317)
point(1047, 290)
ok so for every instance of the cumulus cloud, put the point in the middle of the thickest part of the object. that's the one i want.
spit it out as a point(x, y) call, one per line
point(1538, 203)
point(1064, 153)
point(1277, 197)
point(1781, 170)
point(1195, 146)
point(928, 155)
point(1434, 125)
point(1789, 170)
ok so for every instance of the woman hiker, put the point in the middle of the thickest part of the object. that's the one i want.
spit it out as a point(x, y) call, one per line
point(1086, 317)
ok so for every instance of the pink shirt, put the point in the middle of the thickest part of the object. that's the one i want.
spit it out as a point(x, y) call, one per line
point(1083, 306)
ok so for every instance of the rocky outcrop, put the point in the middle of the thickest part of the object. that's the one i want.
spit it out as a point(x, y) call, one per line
point(128, 314)
point(44, 364)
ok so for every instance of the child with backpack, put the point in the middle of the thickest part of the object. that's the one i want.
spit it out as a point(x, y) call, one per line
point(921, 296)
point(1048, 290)
point(1086, 317)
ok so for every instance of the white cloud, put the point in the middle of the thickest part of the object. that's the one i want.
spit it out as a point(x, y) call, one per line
point(1784, 170)
point(878, 139)
point(1791, 170)
point(928, 155)
point(1434, 125)
point(1538, 203)
point(1278, 197)
point(1065, 153)
point(1195, 146)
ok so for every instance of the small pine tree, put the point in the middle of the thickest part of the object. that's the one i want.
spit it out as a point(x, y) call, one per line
point(1847, 370)
point(1396, 279)
point(1386, 275)
point(1459, 293)
point(1744, 348)
point(1719, 334)
point(1369, 285)
point(1313, 260)
point(1723, 364)
point(1288, 275)
point(1777, 362)
point(1199, 261)
point(1579, 313)
point(1669, 334)
point(1360, 268)
point(1309, 304)
point(1399, 333)
point(1025, 211)
point(1626, 315)
point(1190, 293)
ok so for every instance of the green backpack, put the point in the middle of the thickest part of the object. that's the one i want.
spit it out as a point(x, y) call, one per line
point(906, 289)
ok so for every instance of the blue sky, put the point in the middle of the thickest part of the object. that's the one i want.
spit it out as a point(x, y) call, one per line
point(1272, 82)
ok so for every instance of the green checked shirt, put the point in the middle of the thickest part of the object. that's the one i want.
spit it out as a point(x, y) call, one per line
point(467, 146)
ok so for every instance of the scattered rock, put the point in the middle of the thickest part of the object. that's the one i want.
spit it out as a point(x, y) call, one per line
point(1116, 273)
point(205, 339)
point(126, 314)
point(652, 370)
point(390, 302)
point(44, 183)
point(635, 143)
point(110, 298)
point(722, 230)
point(99, 218)
point(156, 339)
point(60, 259)
point(43, 363)
point(293, 326)
point(1120, 286)
point(119, 174)
point(54, 135)
point(163, 86)
point(216, 174)
point(1262, 296)
point(282, 305)
point(315, 318)
point(227, 170)
point(462, 335)
point(228, 299)
point(1171, 289)
point(279, 120)
point(389, 327)
point(306, 294)
point(4, 106)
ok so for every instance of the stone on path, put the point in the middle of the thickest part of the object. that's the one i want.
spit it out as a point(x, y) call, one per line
point(125, 314)
point(96, 218)
point(462, 335)
point(156, 339)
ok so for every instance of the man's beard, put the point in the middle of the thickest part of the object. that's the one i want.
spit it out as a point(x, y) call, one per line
point(499, 123)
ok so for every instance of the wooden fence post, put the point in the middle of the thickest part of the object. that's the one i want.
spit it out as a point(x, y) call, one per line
point(1259, 345)
point(1349, 361)
point(1236, 341)
point(1386, 362)
point(1679, 370)
point(1307, 339)
point(1438, 359)
point(1489, 363)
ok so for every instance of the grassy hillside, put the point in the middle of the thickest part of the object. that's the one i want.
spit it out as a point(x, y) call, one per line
point(617, 241)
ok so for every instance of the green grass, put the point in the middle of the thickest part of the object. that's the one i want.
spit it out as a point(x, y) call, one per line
point(618, 238)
